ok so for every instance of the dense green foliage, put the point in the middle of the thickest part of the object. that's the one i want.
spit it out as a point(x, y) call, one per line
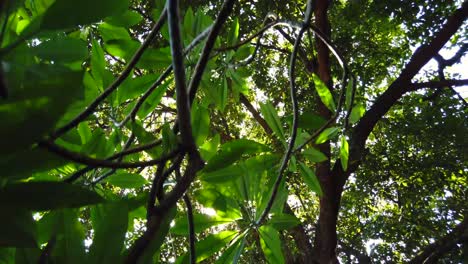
point(141, 131)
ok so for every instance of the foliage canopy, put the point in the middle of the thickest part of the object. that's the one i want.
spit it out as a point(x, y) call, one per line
point(147, 131)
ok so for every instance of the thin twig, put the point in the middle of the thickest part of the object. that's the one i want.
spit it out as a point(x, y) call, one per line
point(161, 78)
point(131, 64)
point(293, 91)
point(123, 153)
point(191, 226)
point(80, 158)
point(196, 165)
point(182, 100)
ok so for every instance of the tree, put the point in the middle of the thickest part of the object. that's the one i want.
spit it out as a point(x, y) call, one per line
point(298, 132)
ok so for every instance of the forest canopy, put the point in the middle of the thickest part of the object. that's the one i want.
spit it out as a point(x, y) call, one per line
point(310, 131)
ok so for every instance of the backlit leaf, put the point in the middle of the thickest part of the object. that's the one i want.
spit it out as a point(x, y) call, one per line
point(272, 118)
point(271, 244)
point(325, 95)
point(344, 153)
point(310, 178)
point(326, 135)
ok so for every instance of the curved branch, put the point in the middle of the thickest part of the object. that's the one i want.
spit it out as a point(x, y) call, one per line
point(191, 225)
point(437, 84)
point(432, 252)
point(131, 64)
point(394, 92)
point(80, 158)
point(182, 100)
point(293, 91)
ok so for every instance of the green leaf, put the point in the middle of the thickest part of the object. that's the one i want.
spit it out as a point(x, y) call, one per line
point(239, 85)
point(25, 163)
point(326, 134)
point(283, 221)
point(98, 64)
point(69, 247)
point(309, 120)
point(233, 32)
point(271, 244)
point(231, 152)
point(344, 153)
point(39, 97)
point(222, 175)
point(64, 226)
point(126, 180)
point(151, 58)
point(232, 254)
point(62, 50)
point(109, 221)
point(272, 119)
point(325, 95)
point(144, 137)
point(210, 245)
point(159, 238)
point(201, 222)
point(244, 52)
point(356, 113)
point(189, 22)
point(169, 139)
point(111, 32)
point(134, 87)
point(126, 20)
point(200, 123)
point(17, 227)
point(40, 196)
point(349, 93)
point(62, 14)
point(310, 178)
point(153, 100)
point(85, 132)
point(313, 155)
point(209, 148)
point(222, 95)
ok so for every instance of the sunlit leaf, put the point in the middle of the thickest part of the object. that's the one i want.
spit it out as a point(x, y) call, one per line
point(126, 180)
point(326, 135)
point(356, 113)
point(201, 222)
point(232, 254)
point(283, 221)
point(232, 151)
point(109, 222)
point(325, 95)
point(344, 153)
point(314, 155)
point(272, 118)
point(210, 245)
point(200, 123)
point(310, 178)
point(271, 244)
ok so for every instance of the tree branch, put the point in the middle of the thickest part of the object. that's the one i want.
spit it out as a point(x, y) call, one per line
point(437, 84)
point(182, 100)
point(432, 252)
point(131, 64)
point(394, 92)
point(80, 158)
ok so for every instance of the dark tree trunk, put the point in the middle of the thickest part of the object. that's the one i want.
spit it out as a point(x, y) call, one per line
point(325, 236)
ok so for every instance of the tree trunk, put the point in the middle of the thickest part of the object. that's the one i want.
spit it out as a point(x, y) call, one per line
point(325, 236)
